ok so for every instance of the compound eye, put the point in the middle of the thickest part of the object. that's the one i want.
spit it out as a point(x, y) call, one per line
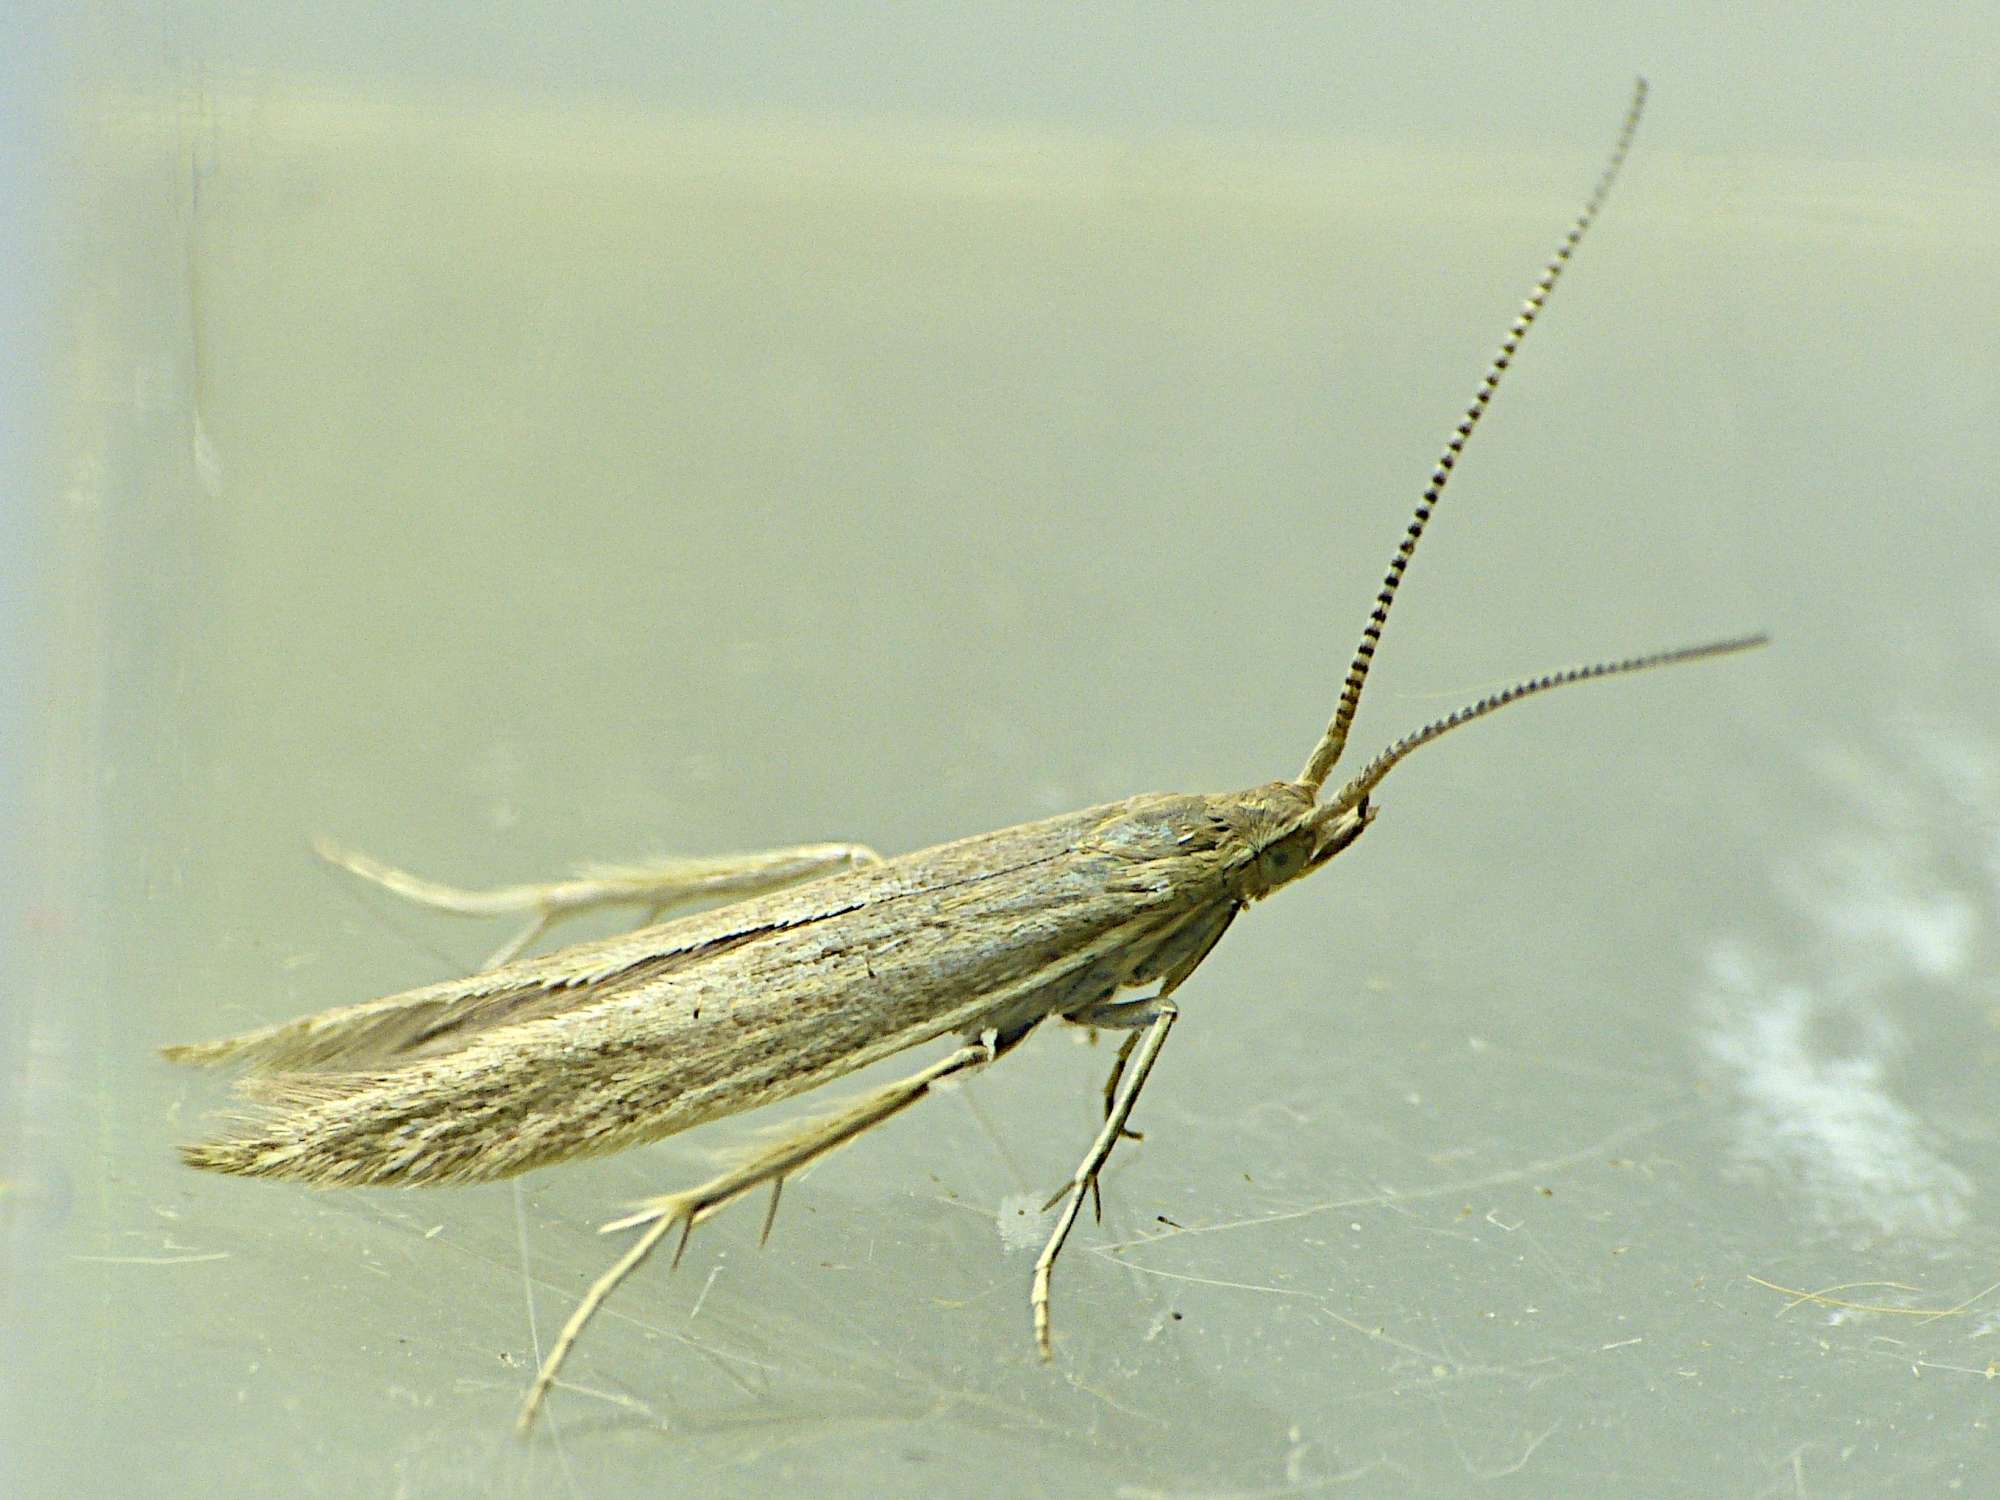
point(1285, 860)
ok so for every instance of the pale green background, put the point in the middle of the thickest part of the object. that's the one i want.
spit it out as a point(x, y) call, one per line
point(502, 447)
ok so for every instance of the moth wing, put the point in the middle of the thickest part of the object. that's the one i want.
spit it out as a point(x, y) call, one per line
point(438, 1018)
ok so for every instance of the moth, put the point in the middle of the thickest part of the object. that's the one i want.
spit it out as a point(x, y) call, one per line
point(824, 959)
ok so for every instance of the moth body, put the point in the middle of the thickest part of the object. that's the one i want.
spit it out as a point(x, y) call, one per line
point(604, 1045)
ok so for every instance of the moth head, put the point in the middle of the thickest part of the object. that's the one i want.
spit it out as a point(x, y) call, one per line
point(1299, 839)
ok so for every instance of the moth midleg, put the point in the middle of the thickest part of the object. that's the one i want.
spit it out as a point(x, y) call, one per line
point(791, 1152)
point(654, 887)
point(1157, 1016)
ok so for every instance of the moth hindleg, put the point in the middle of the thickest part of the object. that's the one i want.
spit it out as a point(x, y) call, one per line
point(791, 1152)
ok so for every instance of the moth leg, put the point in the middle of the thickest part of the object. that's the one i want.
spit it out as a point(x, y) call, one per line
point(653, 887)
point(772, 1164)
point(1130, 1016)
point(1187, 947)
point(1157, 1016)
point(1118, 1072)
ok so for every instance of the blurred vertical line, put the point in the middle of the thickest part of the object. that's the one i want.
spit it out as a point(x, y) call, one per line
point(37, 795)
point(93, 523)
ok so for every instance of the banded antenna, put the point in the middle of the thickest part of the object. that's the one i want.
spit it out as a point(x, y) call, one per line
point(1370, 776)
point(1327, 753)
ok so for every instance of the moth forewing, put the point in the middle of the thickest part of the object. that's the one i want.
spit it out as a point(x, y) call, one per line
point(605, 1045)
point(1094, 918)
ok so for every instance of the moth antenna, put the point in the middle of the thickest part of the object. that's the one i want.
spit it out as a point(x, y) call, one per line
point(1327, 753)
point(1370, 776)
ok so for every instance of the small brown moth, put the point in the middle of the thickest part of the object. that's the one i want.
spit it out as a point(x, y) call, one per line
point(829, 959)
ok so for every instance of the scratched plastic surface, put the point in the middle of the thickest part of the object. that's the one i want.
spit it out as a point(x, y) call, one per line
point(498, 472)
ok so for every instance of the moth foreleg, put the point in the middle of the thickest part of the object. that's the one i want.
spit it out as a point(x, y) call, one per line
point(790, 1152)
point(1179, 956)
point(653, 887)
point(1132, 1016)
point(1118, 1072)
point(1157, 1016)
